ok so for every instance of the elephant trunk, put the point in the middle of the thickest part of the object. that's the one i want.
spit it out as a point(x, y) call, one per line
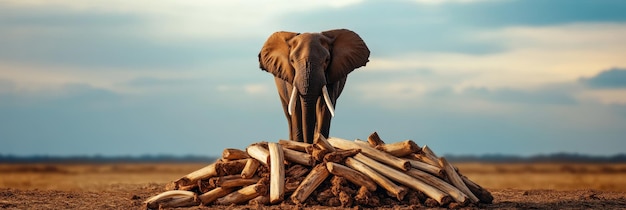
point(309, 85)
point(308, 81)
point(309, 117)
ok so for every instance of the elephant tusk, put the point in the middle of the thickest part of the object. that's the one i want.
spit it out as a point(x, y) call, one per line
point(173, 198)
point(291, 100)
point(329, 104)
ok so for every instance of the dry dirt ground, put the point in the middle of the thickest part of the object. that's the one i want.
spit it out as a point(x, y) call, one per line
point(126, 186)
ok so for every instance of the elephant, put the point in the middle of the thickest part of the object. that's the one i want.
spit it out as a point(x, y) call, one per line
point(310, 72)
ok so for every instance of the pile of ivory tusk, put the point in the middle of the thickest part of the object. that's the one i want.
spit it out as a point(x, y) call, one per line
point(329, 172)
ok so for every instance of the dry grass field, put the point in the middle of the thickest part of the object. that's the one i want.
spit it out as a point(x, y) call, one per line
point(552, 176)
point(126, 185)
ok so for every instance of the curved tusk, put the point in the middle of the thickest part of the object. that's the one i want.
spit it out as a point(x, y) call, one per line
point(291, 100)
point(173, 198)
point(329, 104)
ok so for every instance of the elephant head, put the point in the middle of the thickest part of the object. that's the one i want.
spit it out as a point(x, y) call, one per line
point(310, 71)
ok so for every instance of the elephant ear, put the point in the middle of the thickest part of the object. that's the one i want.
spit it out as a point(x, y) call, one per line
point(274, 56)
point(348, 52)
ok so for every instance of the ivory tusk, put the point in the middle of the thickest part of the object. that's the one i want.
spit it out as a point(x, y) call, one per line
point(329, 104)
point(172, 198)
point(291, 100)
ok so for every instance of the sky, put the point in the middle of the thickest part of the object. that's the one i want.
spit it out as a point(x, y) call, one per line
point(465, 77)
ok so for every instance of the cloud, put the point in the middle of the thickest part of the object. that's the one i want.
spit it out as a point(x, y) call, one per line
point(181, 20)
point(125, 35)
point(607, 87)
point(249, 89)
point(96, 36)
point(256, 89)
point(152, 81)
point(604, 96)
point(612, 78)
point(546, 95)
point(402, 95)
point(80, 47)
point(515, 12)
point(535, 56)
point(398, 27)
point(62, 36)
point(446, 26)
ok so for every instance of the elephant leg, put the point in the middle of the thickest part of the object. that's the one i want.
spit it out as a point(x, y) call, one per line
point(293, 121)
point(296, 131)
point(323, 118)
point(323, 114)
